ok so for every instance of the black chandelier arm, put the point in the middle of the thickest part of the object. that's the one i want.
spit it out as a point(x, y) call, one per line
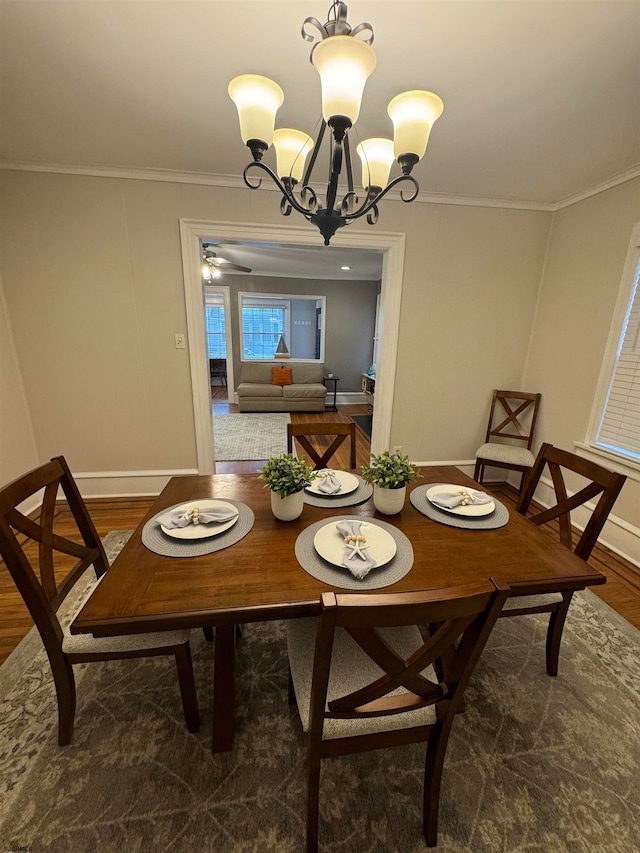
point(288, 196)
point(369, 203)
point(336, 167)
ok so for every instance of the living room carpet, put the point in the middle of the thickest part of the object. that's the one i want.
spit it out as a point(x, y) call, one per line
point(246, 437)
point(534, 764)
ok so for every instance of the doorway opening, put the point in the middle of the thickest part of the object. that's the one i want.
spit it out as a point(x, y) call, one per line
point(390, 246)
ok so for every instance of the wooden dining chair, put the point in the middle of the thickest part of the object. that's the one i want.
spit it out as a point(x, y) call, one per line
point(512, 418)
point(603, 483)
point(364, 678)
point(321, 456)
point(30, 549)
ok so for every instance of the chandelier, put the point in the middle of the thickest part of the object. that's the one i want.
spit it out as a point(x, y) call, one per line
point(344, 63)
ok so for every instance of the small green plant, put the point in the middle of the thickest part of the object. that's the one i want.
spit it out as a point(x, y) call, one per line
point(389, 470)
point(287, 474)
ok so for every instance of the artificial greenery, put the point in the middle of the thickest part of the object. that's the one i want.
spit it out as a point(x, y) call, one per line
point(389, 470)
point(287, 474)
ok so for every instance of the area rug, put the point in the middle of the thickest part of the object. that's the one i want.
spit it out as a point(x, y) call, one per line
point(249, 437)
point(534, 764)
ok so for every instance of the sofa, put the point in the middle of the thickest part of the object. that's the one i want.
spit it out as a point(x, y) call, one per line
point(257, 393)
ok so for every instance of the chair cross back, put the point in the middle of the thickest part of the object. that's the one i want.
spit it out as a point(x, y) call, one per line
point(460, 620)
point(34, 573)
point(321, 457)
point(607, 484)
point(456, 627)
point(43, 598)
point(513, 426)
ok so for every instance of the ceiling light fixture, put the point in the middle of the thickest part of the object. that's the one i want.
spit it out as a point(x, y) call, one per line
point(344, 63)
point(213, 265)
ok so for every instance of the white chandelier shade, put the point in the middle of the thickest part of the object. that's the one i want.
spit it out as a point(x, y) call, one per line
point(413, 114)
point(257, 100)
point(377, 158)
point(292, 147)
point(344, 65)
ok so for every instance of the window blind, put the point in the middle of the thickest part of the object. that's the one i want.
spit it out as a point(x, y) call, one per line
point(619, 429)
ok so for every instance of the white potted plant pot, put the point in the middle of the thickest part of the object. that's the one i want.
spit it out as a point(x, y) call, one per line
point(388, 501)
point(289, 507)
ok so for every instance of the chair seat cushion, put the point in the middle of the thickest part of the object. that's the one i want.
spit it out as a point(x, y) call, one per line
point(87, 644)
point(518, 601)
point(506, 453)
point(351, 668)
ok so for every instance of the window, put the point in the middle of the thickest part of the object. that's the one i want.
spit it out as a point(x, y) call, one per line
point(214, 326)
point(262, 326)
point(273, 322)
point(618, 426)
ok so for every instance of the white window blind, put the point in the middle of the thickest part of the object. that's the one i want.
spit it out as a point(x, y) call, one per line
point(619, 429)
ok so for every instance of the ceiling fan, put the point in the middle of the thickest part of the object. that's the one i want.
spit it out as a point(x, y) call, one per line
point(214, 264)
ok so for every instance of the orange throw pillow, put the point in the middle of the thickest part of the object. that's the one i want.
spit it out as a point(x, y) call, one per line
point(281, 376)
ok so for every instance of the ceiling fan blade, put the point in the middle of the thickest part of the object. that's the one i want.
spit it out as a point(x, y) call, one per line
point(227, 265)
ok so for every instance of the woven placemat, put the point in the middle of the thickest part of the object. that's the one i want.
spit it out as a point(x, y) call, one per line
point(498, 518)
point(361, 494)
point(157, 541)
point(338, 576)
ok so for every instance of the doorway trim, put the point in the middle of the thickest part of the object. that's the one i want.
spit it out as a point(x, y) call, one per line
point(225, 291)
point(192, 231)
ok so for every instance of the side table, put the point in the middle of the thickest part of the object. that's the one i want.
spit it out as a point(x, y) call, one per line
point(331, 377)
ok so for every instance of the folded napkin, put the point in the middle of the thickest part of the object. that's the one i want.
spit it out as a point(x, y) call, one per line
point(328, 483)
point(178, 518)
point(461, 497)
point(355, 558)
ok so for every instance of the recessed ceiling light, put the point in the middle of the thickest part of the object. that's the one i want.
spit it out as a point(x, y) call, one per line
point(345, 268)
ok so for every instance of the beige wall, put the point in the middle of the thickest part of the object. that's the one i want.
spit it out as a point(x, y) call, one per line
point(17, 445)
point(93, 276)
point(587, 252)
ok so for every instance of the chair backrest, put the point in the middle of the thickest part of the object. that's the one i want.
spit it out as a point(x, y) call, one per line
point(321, 456)
point(513, 415)
point(605, 483)
point(461, 620)
point(30, 548)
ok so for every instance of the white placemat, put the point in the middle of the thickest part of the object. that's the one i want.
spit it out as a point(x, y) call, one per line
point(339, 576)
point(498, 518)
point(155, 540)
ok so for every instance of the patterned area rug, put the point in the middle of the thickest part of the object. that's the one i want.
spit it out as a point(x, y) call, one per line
point(534, 764)
point(249, 437)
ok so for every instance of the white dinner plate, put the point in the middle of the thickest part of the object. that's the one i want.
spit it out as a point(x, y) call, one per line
point(329, 543)
point(348, 482)
point(202, 531)
point(469, 509)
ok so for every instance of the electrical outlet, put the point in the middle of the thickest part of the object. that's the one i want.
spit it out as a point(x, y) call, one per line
point(180, 344)
point(397, 449)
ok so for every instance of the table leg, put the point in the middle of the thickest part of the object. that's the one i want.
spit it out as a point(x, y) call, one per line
point(224, 689)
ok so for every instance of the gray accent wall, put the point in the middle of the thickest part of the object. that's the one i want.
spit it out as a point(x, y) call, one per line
point(349, 321)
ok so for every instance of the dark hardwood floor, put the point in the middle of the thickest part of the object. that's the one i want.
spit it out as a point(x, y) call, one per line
point(622, 590)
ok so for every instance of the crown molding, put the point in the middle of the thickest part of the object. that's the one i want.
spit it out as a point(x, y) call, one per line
point(613, 181)
point(236, 181)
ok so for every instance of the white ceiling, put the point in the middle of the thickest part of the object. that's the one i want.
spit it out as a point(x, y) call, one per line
point(542, 97)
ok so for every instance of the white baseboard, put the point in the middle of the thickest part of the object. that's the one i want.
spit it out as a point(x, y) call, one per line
point(120, 484)
point(346, 398)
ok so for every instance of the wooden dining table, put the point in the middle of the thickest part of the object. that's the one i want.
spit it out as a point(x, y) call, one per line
point(259, 578)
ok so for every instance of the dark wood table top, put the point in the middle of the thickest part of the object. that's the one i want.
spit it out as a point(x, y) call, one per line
point(259, 577)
